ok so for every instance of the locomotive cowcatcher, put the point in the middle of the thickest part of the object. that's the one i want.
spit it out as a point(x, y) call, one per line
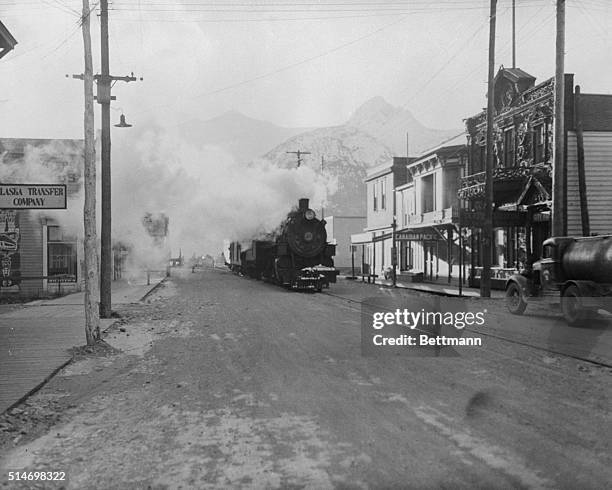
point(296, 255)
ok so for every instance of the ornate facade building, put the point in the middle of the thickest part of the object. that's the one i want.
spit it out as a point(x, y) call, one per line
point(523, 162)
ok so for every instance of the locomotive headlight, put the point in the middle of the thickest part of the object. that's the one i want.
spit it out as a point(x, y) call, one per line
point(309, 214)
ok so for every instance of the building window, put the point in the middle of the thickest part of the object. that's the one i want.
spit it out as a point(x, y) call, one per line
point(61, 255)
point(375, 194)
point(383, 194)
point(509, 148)
point(539, 146)
point(481, 159)
point(428, 196)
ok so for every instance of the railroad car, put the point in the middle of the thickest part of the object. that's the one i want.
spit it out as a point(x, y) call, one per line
point(297, 255)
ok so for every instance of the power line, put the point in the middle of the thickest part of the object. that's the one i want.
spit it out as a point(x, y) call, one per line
point(292, 65)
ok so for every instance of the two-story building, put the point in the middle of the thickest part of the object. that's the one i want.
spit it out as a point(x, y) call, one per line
point(428, 215)
point(523, 163)
point(376, 241)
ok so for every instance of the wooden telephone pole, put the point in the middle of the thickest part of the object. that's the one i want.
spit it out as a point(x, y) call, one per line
point(487, 229)
point(299, 155)
point(104, 99)
point(92, 318)
point(558, 197)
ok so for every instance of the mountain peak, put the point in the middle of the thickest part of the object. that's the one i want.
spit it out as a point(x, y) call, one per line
point(374, 108)
point(390, 124)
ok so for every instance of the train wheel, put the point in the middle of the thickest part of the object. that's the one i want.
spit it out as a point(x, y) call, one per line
point(571, 305)
point(514, 299)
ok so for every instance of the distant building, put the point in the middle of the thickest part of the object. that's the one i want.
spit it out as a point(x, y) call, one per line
point(339, 230)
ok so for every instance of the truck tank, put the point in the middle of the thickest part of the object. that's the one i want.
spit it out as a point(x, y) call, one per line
point(589, 259)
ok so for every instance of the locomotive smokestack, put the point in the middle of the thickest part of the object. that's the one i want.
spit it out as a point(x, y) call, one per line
point(303, 205)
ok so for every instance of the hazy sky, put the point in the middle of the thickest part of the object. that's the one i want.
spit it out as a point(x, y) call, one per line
point(294, 63)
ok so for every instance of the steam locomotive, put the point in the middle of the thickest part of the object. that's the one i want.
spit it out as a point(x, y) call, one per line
point(296, 256)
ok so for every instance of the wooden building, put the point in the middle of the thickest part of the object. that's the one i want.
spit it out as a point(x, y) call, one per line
point(376, 240)
point(39, 254)
point(428, 213)
point(523, 163)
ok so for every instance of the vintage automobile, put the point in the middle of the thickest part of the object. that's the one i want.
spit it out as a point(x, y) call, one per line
point(575, 271)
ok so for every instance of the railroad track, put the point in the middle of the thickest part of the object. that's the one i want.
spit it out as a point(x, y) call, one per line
point(595, 360)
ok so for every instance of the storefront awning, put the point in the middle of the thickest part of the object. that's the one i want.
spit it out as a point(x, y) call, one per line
point(361, 238)
point(417, 235)
point(501, 218)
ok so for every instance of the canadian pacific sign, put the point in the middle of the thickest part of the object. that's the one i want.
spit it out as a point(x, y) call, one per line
point(32, 196)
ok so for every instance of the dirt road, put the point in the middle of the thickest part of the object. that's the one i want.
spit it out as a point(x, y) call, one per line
point(225, 382)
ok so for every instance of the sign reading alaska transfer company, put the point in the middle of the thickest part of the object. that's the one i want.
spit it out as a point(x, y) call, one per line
point(32, 196)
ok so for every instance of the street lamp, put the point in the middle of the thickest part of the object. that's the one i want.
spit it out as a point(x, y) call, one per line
point(122, 123)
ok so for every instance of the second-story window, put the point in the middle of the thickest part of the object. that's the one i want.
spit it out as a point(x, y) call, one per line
point(375, 195)
point(427, 194)
point(383, 194)
point(539, 143)
point(482, 159)
point(509, 147)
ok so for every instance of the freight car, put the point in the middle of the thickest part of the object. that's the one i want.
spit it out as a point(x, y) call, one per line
point(296, 255)
point(575, 271)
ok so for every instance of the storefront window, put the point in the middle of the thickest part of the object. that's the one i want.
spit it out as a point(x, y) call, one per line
point(61, 255)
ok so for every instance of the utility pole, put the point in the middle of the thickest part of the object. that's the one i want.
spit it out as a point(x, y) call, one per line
point(393, 238)
point(487, 229)
point(92, 313)
point(558, 198)
point(582, 186)
point(322, 210)
point(407, 146)
point(104, 99)
point(299, 155)
point(513, 33)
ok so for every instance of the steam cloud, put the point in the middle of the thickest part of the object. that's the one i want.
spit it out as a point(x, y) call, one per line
point(207, 196)
point(205, 193)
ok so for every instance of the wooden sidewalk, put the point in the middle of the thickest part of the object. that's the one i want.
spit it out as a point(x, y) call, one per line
point(34, 340)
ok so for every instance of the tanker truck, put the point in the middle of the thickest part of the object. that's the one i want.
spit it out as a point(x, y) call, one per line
point(577, 272)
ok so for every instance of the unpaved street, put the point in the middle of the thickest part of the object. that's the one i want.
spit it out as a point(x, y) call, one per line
point(219, 381)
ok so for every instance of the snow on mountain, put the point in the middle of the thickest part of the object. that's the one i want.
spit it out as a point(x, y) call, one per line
point(390, 124)
point(374, 133)
point(345, 153)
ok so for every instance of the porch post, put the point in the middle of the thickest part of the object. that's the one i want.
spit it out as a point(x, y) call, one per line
point(449, 234)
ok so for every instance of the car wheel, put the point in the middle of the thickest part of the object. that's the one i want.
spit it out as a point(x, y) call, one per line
point(571, 306)
point(515, 302)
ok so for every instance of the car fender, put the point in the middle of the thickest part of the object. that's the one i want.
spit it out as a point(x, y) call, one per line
point(523, 283)
point(590, 292)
